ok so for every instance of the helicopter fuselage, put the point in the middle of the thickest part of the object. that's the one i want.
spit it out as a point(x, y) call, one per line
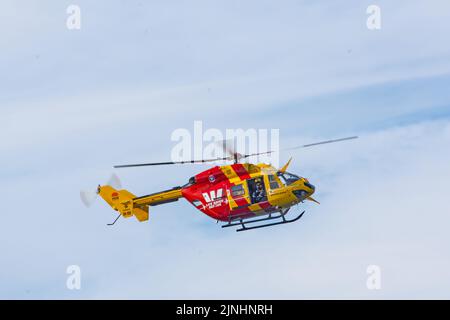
point(245, 190)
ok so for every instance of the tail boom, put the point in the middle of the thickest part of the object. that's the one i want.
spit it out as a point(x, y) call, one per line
point(127, 204)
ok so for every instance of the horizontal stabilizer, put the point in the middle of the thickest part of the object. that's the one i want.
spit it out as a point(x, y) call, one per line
point(122, 201)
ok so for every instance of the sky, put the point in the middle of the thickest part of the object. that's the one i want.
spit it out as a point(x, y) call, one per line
point(76, 102)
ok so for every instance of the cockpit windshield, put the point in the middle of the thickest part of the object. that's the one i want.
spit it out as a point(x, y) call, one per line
point(288, 178)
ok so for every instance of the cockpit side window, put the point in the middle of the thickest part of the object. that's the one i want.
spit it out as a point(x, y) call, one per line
point(237, 190)
point(288, 178)
point(273, 182)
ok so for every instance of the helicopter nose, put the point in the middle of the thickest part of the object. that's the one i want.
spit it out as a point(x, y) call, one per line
point(300, 194)
point(309, 185)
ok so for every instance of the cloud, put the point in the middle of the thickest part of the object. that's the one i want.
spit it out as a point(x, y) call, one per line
point(74, 104)
point(383, 202)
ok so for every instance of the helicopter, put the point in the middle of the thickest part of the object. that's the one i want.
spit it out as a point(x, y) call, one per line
point(242, 195)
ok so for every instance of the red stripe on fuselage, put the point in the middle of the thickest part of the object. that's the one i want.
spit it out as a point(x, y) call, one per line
point(241, 203)
point(265, 204)
point(240, 171)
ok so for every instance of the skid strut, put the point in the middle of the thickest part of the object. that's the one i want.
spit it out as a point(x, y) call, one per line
point(243, 222)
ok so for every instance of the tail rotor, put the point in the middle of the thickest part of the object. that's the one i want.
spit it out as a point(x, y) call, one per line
point(88, 197)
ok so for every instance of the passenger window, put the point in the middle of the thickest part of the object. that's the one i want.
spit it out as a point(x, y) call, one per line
point(273, 182)
point(237, 190)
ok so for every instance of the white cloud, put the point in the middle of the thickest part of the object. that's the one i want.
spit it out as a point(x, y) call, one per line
point(386, 208)
point(115, 91)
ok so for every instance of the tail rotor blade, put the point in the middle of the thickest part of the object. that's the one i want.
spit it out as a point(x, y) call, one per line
point(88, 197)
point(114, 182)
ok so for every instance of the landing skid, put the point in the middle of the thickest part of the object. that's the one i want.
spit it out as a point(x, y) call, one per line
point(243, 222)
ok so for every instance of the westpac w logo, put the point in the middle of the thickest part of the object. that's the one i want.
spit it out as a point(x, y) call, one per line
point(212, 196)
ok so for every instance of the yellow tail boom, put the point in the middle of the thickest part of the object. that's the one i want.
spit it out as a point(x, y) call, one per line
point(127, 204)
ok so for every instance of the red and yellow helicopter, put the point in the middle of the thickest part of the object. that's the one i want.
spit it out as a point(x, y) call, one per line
point(243, 195)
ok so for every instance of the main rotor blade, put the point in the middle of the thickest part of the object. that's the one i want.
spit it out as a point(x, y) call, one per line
point(169, 162)
point(302, 146)
point(321, 142)
point(256, 154)
point(237, 155)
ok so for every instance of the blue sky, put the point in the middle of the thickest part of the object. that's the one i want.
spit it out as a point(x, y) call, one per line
point(74, 103)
